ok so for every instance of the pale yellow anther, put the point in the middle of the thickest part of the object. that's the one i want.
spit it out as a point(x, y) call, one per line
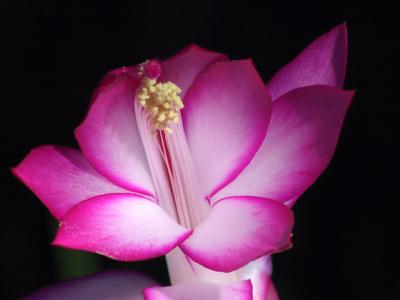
point(161, 117)
point(162, 101)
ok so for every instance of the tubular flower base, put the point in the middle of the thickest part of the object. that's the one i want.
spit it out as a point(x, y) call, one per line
point(196, 158)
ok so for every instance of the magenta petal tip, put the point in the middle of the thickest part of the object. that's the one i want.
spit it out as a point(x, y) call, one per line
point(323, 62)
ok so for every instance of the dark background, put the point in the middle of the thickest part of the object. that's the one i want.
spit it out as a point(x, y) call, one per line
point(345, 243)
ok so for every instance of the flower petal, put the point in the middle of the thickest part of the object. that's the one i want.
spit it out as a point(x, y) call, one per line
point(323, 62)
point(61, 178)
point(115, 75)
point(110, 285)
point(271, 293)
point(226, 117)
point(201, 291)
point(263, 287)
point(109, 136)
point(300, 142)
point(183, 67)
point(259, 271)
point(237, 231)
point(125, 227)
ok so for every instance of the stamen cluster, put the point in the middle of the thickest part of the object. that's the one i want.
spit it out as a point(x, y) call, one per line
point(162, 101)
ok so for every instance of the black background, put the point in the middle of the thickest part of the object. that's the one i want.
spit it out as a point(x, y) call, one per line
point(54, 55)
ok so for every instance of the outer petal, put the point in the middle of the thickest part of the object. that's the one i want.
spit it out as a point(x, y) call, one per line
point(115, 75)
point(237, 231)
point(111, 285)
point(109, 136)
point(323, 62)
point(121, 226)
point(183, 67)
point(110, 78)
point(226, 117)
point(201, 291)
point(300, 142)
point(61, 178)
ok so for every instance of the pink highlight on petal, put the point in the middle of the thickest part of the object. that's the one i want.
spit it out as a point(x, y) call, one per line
point(124, 227)
point(61, 178)
point(225, 119)
point(183, 67)
point(201, 291)
point(110, 140)
point(323, 62)
point(300, 142)
point(239, 230)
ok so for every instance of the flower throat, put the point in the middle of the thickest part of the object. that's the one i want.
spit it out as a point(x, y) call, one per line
point(157, 109)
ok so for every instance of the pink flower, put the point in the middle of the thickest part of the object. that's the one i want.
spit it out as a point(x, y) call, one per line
point(196, 154)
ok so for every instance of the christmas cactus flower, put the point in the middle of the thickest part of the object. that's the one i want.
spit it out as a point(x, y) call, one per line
point(196, 158)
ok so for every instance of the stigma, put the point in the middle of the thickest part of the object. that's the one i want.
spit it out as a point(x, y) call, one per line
point(160, 99)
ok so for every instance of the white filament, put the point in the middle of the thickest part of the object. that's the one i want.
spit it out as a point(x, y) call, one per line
point(174, 174)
